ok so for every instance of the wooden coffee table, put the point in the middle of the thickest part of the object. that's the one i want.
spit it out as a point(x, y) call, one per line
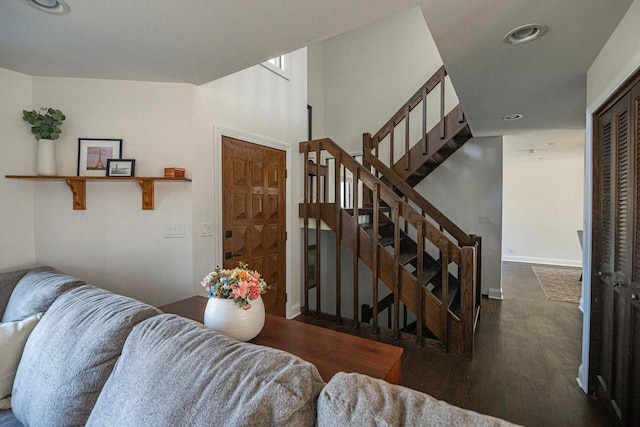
point(330, 351)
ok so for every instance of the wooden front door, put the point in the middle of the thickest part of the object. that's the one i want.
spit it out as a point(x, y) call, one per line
point(253, 218)
point(615, 293)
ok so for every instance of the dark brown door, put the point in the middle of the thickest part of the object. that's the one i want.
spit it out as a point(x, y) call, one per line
point(615, 322)
point(253, 182)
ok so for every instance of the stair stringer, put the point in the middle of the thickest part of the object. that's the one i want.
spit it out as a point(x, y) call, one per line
point(456, 130)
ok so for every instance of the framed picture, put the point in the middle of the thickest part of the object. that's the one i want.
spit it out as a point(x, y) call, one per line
point(121, 167)
point(93, 154)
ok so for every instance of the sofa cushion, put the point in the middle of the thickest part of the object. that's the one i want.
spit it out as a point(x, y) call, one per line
point(71, 353)
point(35, 292)
point(8, 282)
point(355, 399)
point(8, 419)
point(13, 337)
point(175, 371)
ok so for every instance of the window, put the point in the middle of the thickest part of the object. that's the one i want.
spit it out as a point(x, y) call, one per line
point(279, 65)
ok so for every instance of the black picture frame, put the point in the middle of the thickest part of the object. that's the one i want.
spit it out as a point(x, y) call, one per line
point(121, 167)
point(93, 154)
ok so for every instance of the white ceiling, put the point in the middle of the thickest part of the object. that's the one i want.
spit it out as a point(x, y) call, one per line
point(545, 79)
point(544, 145)
point(197, 41)
point(193, 41)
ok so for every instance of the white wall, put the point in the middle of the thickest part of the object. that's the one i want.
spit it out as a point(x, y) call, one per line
point(114, 243)
point(543, 195)
point(262, 107)
point(469, 184)
point(618, 60)
point(315, 87)
point(18, 158)
point(370, 72)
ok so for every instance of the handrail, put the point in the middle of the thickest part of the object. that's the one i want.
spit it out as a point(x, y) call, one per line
point(417, 97)
point(463, 238)
point(431, 232)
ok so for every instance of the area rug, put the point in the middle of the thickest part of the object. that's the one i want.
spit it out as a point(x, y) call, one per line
point(560, 283)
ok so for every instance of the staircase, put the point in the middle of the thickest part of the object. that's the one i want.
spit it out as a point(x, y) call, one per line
point(430, 266)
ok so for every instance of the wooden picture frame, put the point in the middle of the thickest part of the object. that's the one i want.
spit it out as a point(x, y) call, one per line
point(93, 154)
point(121, 167)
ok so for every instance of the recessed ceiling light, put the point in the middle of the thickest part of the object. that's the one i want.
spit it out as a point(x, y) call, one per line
point(550, 143)
point(525, 33)
point(57, 7)
point(509, 117)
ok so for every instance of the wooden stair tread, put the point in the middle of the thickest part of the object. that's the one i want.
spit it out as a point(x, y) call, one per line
point(407, 257)
point(367, 211)
point(369, 225)
point(454, 288)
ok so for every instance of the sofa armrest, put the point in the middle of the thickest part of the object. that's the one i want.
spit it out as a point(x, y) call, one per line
point(8, 282)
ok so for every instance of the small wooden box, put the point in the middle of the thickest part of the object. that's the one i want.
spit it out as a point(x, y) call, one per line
point(174, 172)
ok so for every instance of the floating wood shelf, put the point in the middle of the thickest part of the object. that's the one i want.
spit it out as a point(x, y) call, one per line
point(78, 185)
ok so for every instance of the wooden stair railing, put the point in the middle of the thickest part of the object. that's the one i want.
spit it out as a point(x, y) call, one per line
point(407, 269)
point(434, 145)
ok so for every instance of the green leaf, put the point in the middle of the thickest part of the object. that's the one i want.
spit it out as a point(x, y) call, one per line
point(35, 130)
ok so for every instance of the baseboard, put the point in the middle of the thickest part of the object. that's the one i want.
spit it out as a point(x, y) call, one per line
point(581, 375)
point(295, 311)
point(495, 293)
point(547, 261)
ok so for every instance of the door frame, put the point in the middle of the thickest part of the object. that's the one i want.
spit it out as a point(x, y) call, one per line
point(219, 132)
point(585, 302)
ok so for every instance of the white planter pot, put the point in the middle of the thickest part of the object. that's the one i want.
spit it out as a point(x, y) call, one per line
point(46, 161)
point(225, 316)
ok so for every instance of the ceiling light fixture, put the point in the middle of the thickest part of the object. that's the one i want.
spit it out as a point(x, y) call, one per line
point(550, 143)
point(525, 33)
point(510, 117)
point(56, 7)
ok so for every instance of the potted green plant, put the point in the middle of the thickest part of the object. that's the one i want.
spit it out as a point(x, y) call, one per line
point(45, 127)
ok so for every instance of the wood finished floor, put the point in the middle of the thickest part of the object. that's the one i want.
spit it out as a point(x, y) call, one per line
point(527, 353)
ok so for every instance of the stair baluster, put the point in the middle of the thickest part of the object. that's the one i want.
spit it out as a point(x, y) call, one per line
point(444, 261)
point(424, 122)
point(318, 223)
point(407, 132)
point(336, 202)
point(396, 270)
point(443, 123)
point(375, 269)
point(356, 283)
point(306, 230)
point(420, 284)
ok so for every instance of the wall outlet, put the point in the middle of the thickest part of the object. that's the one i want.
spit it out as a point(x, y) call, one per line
point(486, 219)
point(206, 229)
point(170, 231)
point(510, 250)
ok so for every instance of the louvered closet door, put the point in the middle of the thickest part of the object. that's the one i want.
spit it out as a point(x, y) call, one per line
point(633, 372)
point(614, 252)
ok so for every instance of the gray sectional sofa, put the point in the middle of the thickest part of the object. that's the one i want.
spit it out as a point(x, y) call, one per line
point(101, 359)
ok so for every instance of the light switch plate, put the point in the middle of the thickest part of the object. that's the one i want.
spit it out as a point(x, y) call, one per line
point(206, 229)
point(172, 231)
point(486, 219)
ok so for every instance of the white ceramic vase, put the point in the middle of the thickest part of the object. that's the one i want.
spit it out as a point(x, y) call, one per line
point(226, 316)
point(46, 161)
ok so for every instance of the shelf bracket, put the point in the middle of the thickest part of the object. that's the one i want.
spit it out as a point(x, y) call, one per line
point(79, 190)
point(147, 194)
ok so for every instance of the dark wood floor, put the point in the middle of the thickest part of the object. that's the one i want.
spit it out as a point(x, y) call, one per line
point(526, 358)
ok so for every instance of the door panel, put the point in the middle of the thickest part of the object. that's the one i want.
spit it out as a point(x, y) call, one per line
point(254, 198)
point(615, 340)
